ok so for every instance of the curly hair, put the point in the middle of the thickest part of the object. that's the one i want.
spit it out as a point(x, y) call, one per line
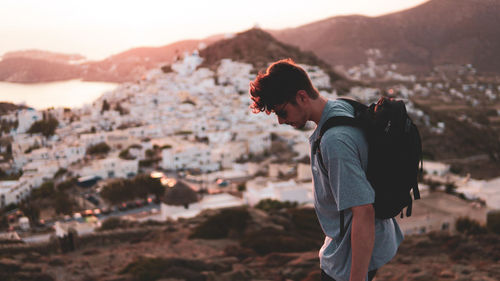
point(279, 84)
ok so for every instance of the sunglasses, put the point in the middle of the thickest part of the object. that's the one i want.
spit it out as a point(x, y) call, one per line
point(281, 113)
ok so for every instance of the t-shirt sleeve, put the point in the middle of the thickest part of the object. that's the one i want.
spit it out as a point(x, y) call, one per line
point(340, 153)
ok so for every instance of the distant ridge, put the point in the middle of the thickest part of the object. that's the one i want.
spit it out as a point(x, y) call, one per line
point(28, 70)
point(131, 64)
point(260, 48)
point(44, 55)
point(34, 66)
point(434, 33)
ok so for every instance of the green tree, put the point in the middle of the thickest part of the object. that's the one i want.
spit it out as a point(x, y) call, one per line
point(67, 184)
point(126, 190)
point(125, 154)
point(469, 226)
point(115, 192)
point(60, 172)
point(46, 190)
point(31, 210)
point(100, 148)
point(120, 109)
point(105, 106)
point(46, 127)
point(4, 223)
point(62, 203)
point(149, 153)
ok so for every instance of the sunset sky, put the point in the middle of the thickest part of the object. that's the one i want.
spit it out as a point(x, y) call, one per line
point(99, 28)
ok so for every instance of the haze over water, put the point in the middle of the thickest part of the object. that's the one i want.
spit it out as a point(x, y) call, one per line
point(71, 93)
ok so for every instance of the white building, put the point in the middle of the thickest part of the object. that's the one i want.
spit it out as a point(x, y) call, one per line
point(69, 154)
point(192, 156)
point(44, 169)
point(12, 192)
point(235, 73)
point(111, 168)
point(258, 143)
point(188, 64)
point(26, 118)
point(260, 189)
point(436, 168)
point(304, 172)
point(214, 201)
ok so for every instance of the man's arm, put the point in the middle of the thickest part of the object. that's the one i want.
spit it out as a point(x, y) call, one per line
point(362, 240)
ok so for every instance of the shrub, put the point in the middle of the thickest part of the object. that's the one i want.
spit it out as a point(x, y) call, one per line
point(269, 240)
point(100, 148)
point(220, 225)
point(45, 190)
point(63, 203)
point(493, 221)
point(306, 223)
point(469, 226)
point(450, 188)
point(146, 269)
point(125, 155)
point(113, 223)
point(271, 204)
point(60, 172)
point(47, 126)
point(242, 187)
point(128, 189)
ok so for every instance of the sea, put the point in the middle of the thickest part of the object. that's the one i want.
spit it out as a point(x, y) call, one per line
point(70, 93)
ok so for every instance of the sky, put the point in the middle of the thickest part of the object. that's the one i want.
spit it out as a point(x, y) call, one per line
point(99, 28)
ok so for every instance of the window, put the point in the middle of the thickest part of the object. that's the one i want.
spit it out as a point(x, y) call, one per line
point(445, 226)
point(423, 230)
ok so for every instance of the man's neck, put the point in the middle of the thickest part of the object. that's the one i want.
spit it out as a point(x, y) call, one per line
point(317, 107)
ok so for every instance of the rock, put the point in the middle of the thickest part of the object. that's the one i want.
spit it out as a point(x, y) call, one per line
point(222, 264)
point(295, 273)
point(279, 259)
point(239, 274)
point(9, 265)
point(313, 276)
point(31, 268)
point(447, 274)
point(422, 276)
point(239, 252)
point(306, 259)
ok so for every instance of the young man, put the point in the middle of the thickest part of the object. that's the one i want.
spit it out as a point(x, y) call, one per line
point(340, 184)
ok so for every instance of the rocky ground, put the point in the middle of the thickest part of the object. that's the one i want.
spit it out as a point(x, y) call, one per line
point(249, 244)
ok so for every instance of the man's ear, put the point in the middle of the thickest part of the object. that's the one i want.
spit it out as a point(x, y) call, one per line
point(302, 96)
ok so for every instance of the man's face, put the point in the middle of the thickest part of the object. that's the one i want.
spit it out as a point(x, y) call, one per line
point(291, 114)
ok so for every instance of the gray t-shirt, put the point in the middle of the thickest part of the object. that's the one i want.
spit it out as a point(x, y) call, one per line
point(342, 185)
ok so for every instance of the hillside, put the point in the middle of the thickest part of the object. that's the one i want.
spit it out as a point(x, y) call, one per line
point(241, 244)
point(434, 33)
point(44, 55)
point(259, 48)
point(132, 64)
point(40, 66)
point(28, 70)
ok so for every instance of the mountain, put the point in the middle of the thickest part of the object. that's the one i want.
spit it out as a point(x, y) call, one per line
point(44, 55)
point(40, 66)
point(29, 70)
point(259, 48)
point(434, 33)
point(131, 65)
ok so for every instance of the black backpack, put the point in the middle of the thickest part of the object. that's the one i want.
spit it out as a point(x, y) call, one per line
point(394, 154)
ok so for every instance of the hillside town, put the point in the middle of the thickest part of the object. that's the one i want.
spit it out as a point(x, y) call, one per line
point(191, 127)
